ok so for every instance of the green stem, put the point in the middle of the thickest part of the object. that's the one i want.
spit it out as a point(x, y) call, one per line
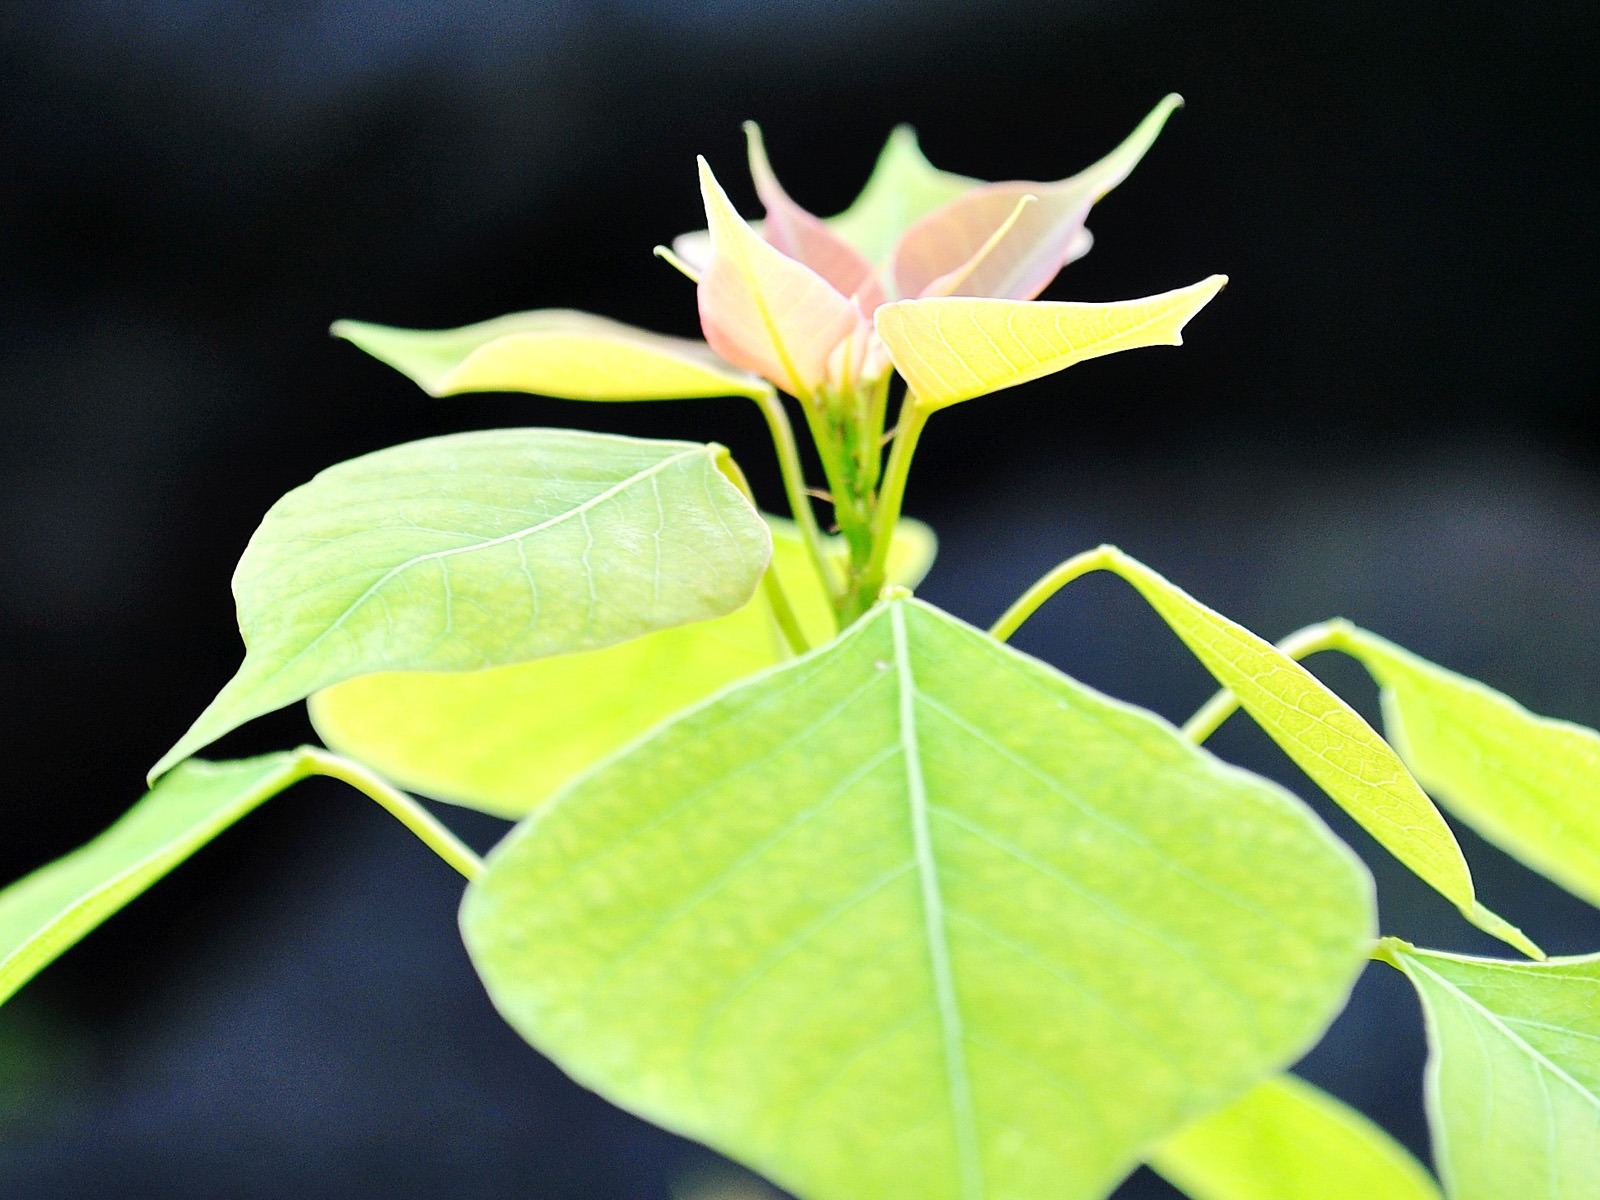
point(1101, 558)
point(402, 807)
point(788, 623)
point(1302, 643)
point(891, 497)
point(794, 487)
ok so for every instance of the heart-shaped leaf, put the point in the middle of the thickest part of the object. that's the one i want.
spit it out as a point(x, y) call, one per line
point(1287, 1140)
point(951, 350)
point(1526, 783)
point(48, 912)
point(903, 188)
point(503, 740)
point(477, 550)
point(916, 915)
point(1514, 1073)
point(553, 352)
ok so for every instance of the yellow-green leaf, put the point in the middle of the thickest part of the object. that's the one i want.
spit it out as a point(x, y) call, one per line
point(46, 913)
point(553, 352)
point(952, 349)
point(903, 187)
point(1327, 739)
point(1529, 784)
point(1287, 1140)
point(502, 740)
point(1513, 1072)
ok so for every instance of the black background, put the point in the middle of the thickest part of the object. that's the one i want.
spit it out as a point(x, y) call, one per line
point(1389, 415)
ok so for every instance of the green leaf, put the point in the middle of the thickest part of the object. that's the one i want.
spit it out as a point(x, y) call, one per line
point(553, 352)
point(953, 349)
point(1327, 739)
point(1514, 1073)
point(1526, 783)
point(917, 916)
point(477, 550)
point(903, 187)
point(503, 740)
point(48, 912)
point(1287, 1140)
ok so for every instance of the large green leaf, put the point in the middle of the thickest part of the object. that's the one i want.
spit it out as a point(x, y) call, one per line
point(477, 550)
point(918, 916)
point(1326, 738)
point(553, 352)
point(1514, 1073)
point(503, 740)
point(46, 913)
point(1528, 784)
point(1287, 1140)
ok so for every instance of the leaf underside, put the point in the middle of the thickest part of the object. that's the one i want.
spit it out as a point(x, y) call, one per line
point(503, 740)
point(1513, 1075)
point(919, 916)
point(481, 549)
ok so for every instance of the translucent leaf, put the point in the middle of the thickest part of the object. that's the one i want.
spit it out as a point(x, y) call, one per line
point(553, 352)
point(48, 912)
point(902, 188)
point(1513, 1075)
point(1327, 739)
point(916, 915)
point(503, 740)
point(951, 350)
point(477, 550)
point(806, 238)
point(1048, 235)
point(1526, 783)
point(1287, 1140)
point(762, 310)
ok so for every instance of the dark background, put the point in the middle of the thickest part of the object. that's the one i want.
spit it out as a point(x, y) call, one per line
point(1389, 415)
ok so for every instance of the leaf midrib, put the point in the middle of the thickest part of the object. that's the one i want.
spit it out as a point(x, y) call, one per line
point(935, 931)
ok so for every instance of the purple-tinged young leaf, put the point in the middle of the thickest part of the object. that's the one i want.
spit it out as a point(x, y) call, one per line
point(804, 238)
point(951, 282)
point(762, 310)
point(1045, 237)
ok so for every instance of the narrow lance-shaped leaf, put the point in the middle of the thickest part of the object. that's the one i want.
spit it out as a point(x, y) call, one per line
point(477, 550)
point(503, 740)
point(1287, 1140)
point(1513, 1073)
point(1528, 784)
point(903, 187)
point(1327, 739)
point(762, 310)
point(46, 913)
point(951, 350)
point(806, 238)
point(1044, 239)
point(884, 922)
point(553, 352)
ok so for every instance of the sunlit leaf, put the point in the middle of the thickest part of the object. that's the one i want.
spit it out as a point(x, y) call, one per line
point(1327, 739)
point(1528, 784)
point(903, 188)
point(762, 310)
point(477, 550)
point(503, 740)
point(918, 916)
point(806, 238)
point(46, 913)
point(951, 350)
point(1047, 236)
point(1287, 1140)
point(1514, 1073)
point(553, 352)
